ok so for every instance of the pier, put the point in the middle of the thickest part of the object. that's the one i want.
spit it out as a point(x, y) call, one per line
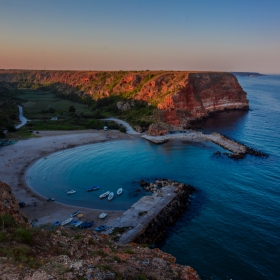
point(145, 221)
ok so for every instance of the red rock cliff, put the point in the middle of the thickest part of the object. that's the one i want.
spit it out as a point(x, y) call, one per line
point(181, 96)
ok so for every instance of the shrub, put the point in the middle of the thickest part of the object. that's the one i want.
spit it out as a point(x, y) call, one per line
point(3, 236)
point(7, 221)
point(23, 235)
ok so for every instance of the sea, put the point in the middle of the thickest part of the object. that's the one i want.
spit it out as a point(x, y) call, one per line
point(232, 227)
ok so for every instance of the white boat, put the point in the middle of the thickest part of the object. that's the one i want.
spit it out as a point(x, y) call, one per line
point(111, 195)
point(104, 194)
point(71, 191)
point(78, 223)
point(66, 221)
point(119, 191)
point(75, 213)
point(102, 215)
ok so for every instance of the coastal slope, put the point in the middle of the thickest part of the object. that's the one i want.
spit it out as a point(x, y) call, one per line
point(181, 97)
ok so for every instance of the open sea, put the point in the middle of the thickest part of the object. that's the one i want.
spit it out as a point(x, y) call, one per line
point(232, 228)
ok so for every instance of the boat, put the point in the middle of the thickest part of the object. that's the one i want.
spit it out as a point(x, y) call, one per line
point(78, 223)
point(101, 228)
point(57, 223)
point(87, 224)
point(73, 223)
point(66, 221)
point(75, 213)
point(103, 215)
point(104, 194)
point(111, 195)
point(71, 191)
point(119, 191)
point(51, 199)
point(94, 188)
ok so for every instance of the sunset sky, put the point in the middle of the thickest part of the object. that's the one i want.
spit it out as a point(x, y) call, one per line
point(220, 35)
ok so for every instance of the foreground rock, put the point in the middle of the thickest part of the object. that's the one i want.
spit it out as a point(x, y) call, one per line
point(32, 254)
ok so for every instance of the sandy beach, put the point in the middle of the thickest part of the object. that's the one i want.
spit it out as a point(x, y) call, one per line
point(15, 159)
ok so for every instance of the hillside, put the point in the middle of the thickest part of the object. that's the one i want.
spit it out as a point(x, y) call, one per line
point(180, 97)
point(8, 108)
point(31, 254)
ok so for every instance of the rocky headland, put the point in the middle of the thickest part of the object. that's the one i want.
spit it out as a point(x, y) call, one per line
point(181, 97)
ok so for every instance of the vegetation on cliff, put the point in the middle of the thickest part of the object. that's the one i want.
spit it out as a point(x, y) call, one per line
point(8, 109)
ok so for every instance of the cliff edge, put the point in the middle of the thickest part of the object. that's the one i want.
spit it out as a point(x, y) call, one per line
point(180, 96)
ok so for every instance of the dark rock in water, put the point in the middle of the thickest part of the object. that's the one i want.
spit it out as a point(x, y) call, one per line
point(218, 153)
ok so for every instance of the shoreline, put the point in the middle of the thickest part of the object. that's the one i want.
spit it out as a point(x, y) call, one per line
point(17, 158)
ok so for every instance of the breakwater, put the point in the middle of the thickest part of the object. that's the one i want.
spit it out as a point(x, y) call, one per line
point(146, 220)
point(239, 150)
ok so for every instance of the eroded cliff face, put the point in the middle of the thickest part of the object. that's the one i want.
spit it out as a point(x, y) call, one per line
point(180, 96)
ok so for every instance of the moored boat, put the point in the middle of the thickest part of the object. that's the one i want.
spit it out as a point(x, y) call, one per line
point(101, 228)
point(71, 191)
point(103, 215)
point(57, 223)
point(111, 195)
point(94, 188)
point(66, 221)
point(73, 223)
point(87, 224)
point(78, 223)
point(104, 194)
point(75, 213)
point(119, 191)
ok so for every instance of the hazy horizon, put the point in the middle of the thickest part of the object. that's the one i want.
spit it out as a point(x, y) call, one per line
point(141, 35)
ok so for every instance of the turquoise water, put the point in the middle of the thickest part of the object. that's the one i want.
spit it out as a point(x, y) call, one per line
point(232, 229)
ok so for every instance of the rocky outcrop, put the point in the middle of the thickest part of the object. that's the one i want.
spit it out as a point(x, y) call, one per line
point(9, 204)
point(157, 130)
point(183, 97)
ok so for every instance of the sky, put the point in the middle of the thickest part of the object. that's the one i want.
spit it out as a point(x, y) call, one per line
point(216, 35)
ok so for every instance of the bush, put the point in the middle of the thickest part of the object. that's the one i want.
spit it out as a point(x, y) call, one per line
point(122, 129)
point(11, 128)
point(3, 236)
point(7, 221)
point(23, 235)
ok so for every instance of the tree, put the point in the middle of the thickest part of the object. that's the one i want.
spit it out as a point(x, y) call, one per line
point(72, 109)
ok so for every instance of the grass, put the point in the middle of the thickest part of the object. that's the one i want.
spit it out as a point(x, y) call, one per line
point(38, 101)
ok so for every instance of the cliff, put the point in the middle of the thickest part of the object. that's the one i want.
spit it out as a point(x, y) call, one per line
point(31, 254)
point(181, 97)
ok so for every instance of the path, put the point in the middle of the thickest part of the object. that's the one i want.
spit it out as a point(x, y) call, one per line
point(21, 117)
point(129, 129)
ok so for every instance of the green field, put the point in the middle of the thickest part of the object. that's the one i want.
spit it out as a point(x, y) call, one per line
point(41, 106)
point(38, 102)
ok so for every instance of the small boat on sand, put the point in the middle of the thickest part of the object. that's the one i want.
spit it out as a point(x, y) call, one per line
point(78, 223)
point(57, 223)
point(87, 224)
point(75, 213)
point(103, 215)
point(66, 221)
point(94, 188)
point(51, 199)
point(71, 192)
point(111, 195)
point(73, 223)
point(101, 228)
point(104, 194)
point(119, 191)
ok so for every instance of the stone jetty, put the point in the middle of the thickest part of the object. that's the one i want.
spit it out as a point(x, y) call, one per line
point(239, 151)
point(146, 220)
